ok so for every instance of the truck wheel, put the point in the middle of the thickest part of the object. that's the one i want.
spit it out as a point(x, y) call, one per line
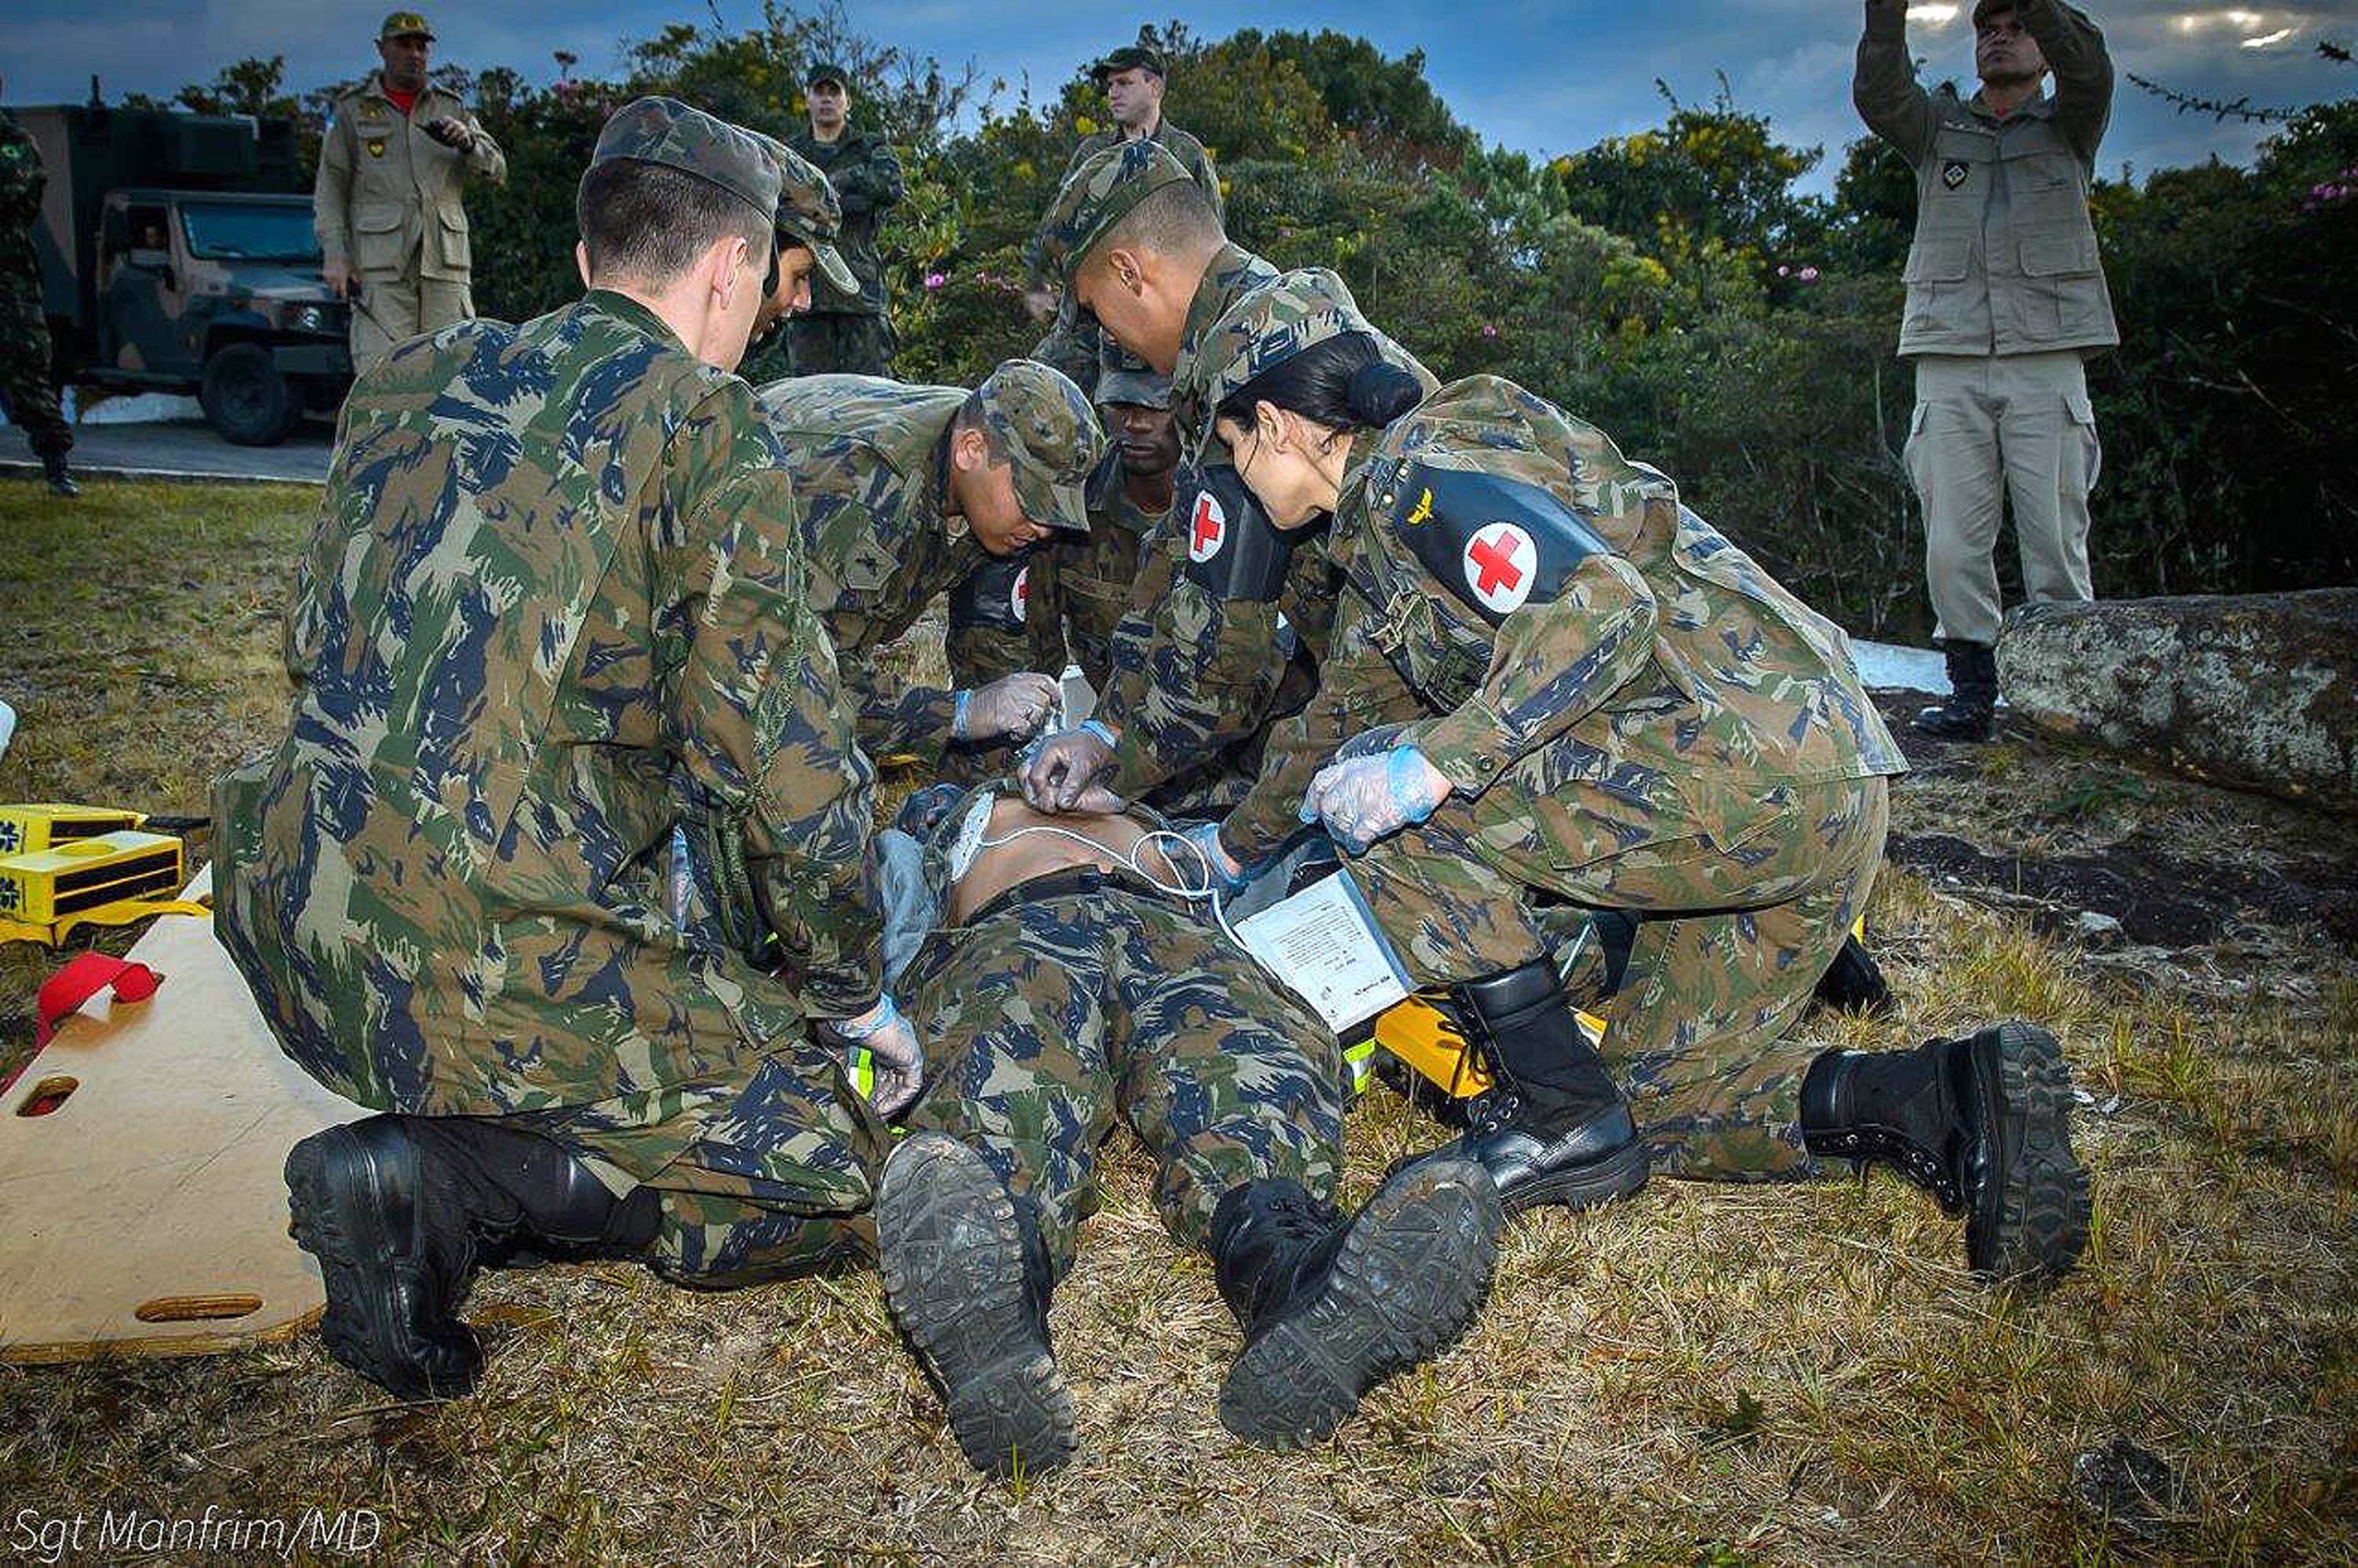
point(246, 401)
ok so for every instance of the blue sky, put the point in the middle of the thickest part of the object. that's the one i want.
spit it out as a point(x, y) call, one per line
point(1545, 76)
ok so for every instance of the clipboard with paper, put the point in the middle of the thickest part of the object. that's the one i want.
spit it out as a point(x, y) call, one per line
point(1323, 943)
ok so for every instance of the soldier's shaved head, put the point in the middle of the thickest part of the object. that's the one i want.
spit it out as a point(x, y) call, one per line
point(1177, 220)
point(647, 223)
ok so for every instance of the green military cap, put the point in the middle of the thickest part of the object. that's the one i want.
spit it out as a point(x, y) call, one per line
point(1050, 433)
point(1271, 323)
point(809, 212)
point(669, 132)
point(1123, 377)
point(827, 70)
point(1134, 57)
point(405, 25)
point(1100, 194)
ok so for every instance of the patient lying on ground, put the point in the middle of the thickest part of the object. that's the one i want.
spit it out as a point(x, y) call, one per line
point(1073, 981)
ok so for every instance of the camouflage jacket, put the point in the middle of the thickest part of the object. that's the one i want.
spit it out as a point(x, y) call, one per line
point(23, 183)
point(1575, 608)
point(1193, 674)
point(871, 463)
point(386, 198)
point(1192, 155)
point(867, 180)
point(554, 609)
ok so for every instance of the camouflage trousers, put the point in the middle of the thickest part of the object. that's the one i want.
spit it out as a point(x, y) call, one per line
point(1053, 1017)
point(1742, 904)
point(26, 389)
point(775, 1179)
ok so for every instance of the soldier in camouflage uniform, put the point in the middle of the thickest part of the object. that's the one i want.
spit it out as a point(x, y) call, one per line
point(555, 609)
point(1087, 991)
point(1229, 616)
point(849, 327)
point(1132, 81)
point(1550, 682)
point(27, 392)
point(902, 490)
point(1061, 601)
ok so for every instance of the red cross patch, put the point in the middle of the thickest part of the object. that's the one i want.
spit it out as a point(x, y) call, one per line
point(1021, 594)
point(1501, 563)
point(1208, 528)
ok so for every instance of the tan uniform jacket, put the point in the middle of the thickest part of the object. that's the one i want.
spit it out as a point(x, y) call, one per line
point(2004, 257)
point(387, 200)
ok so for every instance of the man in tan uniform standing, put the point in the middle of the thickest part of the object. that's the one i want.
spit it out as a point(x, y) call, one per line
point(392, 230)
point(2006, 296)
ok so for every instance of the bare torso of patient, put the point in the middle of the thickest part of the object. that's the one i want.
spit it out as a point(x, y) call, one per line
point(1110, 841)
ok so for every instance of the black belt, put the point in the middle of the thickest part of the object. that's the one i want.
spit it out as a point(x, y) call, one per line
point(1065, 884)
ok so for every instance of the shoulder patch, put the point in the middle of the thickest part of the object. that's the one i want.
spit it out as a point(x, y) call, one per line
point(1495, 544)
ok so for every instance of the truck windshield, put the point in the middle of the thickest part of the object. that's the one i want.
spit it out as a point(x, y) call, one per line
point(235, 231)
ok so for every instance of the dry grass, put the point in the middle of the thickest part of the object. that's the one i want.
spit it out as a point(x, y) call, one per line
point(1785, 1374)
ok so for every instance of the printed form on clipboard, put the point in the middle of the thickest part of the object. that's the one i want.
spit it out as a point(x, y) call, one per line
point(1323, 943)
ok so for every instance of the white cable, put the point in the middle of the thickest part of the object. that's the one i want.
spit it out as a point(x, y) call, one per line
point(1209, 892)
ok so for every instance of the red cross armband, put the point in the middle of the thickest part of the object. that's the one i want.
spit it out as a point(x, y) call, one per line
point(1495, 544)
point(1234, 551)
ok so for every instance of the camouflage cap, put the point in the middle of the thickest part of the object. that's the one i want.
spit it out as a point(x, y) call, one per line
point(1100, 194)
point(809, 212)
point(1133, 57)
point(1271, 323)
point(1123, 377)
point(405, 25)
point(827, 70)
point(1051, 435)
point(669, 132)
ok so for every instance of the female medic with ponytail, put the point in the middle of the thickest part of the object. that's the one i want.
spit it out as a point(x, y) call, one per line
point(1555, 703)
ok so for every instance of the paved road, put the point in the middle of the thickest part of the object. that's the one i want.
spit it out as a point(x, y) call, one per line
point(183, 449)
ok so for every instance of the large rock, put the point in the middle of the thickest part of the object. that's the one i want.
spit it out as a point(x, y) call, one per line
point(2258, 691)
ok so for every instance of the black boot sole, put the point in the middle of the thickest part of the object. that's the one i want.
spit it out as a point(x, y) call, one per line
point(951, 1253)
point(340, 1210)
point(1939, 725)
point(2029, 1221)
point(1413, 1272)
point(1622, 1174)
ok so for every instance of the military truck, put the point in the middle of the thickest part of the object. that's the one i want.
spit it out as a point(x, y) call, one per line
point(177, 255)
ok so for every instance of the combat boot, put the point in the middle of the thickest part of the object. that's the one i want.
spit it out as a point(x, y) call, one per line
point(1853, 982)
point(61, 477)
point(967, 1278)
point(401, 1211)
point(1554, 1128)
point(1970, 711)
point(1331, 1307)
point(394, 1250)
point(1983, 1123)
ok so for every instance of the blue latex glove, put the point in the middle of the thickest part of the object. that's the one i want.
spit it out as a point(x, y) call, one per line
point(1363, 799)
point(1227, 872)
point(881, 1056)
point(1066, 771)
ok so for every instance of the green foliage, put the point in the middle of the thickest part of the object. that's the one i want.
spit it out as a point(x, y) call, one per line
point(1676, 285)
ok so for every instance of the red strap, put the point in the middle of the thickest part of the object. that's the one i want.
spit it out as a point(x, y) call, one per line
point(83, 978)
